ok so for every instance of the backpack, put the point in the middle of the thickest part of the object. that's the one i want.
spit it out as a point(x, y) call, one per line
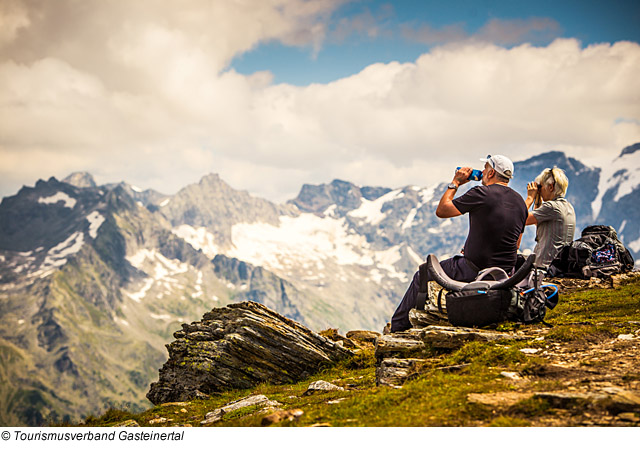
point(493, 297)
point(597, 253)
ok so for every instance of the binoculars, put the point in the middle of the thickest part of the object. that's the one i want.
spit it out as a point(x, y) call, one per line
point(476, 175)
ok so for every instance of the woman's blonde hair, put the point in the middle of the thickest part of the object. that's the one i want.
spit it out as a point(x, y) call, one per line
point(555, 177)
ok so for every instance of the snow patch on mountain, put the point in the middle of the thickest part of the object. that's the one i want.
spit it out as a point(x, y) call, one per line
point(68, 247)
point(158, 268)
point(303, 238)
point(409, 220)
point(414, 256)
point(198, 238)
point(385, 260)
point(426, 195)
point(300, 246)
point(371, 210)
point(441, 226)
point(57, 255)
point(160, 316)
point(59, 197)
point(622, 174)
point(138, 296)
point(95, 220)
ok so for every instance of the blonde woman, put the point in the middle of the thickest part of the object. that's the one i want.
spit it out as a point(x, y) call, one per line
point(553, 215)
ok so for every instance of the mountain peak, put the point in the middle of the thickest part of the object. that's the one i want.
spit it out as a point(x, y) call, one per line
point(212, 178)
point(81, 180)
point(630, 149)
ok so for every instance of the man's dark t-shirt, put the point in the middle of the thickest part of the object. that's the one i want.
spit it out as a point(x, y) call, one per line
point(497, 217)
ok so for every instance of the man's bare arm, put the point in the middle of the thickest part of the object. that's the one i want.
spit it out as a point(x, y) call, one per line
point(446, 208)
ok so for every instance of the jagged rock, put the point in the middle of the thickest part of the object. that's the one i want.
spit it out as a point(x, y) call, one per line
point(566, 400)
point(429, 316)
point(332, 333)
point(614, 399)
point(626, 337)
point(511, 375)
point(158, 420)
point(363, 336)
point(415, 341)
point(398, 344)
point(321, 385)
point(628, 417)
point(240, 346)
point(395, 371)
point(254, 400)
point(279, 416)
point(451, 338)
point(213, 417)
point(622, 400)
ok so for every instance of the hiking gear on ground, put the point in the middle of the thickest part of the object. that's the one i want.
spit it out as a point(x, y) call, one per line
point(597, 253)
point(493, 297)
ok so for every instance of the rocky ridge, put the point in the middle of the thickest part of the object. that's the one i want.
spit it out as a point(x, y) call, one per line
point(237, 347)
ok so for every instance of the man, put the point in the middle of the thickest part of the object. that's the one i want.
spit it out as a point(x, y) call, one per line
point(497, 216)
point(555, 218)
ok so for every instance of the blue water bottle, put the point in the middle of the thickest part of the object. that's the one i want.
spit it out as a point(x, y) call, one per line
point(476, 175)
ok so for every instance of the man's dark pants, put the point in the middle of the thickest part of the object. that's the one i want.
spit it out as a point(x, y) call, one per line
point(457, 269)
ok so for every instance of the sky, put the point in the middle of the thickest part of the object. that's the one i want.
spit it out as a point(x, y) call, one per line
point(273, 94)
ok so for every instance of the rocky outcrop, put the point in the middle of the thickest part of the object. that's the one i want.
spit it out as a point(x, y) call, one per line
point(400, 356)
point(237, 347)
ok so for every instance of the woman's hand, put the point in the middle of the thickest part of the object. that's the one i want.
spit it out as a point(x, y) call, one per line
point(532, 190)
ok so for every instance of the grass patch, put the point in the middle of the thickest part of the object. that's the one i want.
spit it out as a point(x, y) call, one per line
point(506, 421)
point(486, 355)
point(619, 305)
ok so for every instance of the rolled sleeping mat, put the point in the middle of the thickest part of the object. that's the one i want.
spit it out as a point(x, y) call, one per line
point(439, 276)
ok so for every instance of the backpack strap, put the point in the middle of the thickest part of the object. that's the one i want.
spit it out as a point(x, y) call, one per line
point(517, 277)
point(423, 288)
point(440, 301)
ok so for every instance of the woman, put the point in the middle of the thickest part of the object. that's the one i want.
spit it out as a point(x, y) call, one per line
point(553, 215)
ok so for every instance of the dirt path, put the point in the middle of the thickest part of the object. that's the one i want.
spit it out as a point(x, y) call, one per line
point(579, 384)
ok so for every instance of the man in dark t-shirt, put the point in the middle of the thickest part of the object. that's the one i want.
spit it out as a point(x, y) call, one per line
point(497, 217)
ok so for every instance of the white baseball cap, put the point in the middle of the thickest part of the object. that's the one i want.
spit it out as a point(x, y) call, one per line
point(500, 164)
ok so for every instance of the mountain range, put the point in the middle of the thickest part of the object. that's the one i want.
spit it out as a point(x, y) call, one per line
point(95, 279)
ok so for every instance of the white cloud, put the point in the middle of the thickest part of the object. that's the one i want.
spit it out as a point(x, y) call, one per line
point(143, 94)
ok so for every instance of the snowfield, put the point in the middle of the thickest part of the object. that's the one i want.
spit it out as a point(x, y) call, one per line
point(59, 197)
point(95, 220)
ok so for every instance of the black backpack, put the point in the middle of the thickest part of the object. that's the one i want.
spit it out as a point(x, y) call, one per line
point(492, 297)
point(597, 253)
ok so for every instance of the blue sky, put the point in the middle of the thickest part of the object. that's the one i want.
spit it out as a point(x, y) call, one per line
point(589, 21)
point(273, 94)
